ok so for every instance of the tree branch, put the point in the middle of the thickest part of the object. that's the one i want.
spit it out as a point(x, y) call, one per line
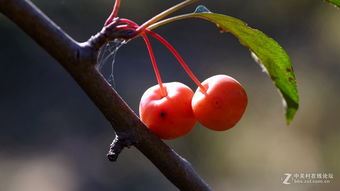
point(80, 60)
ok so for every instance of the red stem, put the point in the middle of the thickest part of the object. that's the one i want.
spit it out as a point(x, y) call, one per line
point(179, 58)
point(128, 21)
point(133, 25)
point(114, 13)
point(154, 64)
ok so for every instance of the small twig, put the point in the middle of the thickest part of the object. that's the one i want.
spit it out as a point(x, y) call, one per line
point(120, 141)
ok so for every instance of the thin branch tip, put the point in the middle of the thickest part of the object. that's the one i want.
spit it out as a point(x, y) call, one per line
point(118, 144)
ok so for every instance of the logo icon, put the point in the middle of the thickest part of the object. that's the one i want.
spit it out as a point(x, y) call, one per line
point(285, 180)
point(307, 178)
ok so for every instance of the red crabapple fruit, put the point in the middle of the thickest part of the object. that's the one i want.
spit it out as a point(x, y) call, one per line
point(169, 116)
point(221, 105)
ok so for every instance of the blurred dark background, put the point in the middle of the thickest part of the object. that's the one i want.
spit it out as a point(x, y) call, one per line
point(53, 138)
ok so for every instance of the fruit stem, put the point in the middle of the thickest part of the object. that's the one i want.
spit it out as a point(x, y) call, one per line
point(154, 65)
point(172, 19)
point(164, 14)
point(114, 13)
point(179, 58)
point(133, 25)
point(128, 21)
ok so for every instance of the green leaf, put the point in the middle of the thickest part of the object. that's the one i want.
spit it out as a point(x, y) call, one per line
point(335, 2)
point(267, 52)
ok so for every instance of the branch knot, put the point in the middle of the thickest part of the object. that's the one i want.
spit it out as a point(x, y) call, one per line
point(110, 33)
point(120, 141)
